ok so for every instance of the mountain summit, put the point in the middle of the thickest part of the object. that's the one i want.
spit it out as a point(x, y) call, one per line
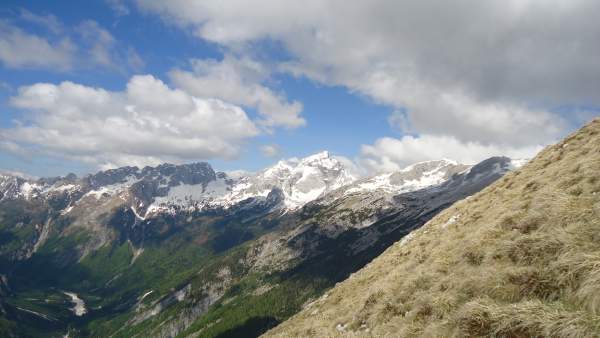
point(292, 182)
point(519, 259)
point(300, 180)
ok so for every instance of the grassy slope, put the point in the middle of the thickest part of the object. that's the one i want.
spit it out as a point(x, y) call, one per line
point(245, 311)
point(519, 259)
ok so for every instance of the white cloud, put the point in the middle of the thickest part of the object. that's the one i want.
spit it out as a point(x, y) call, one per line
point(14, 148)
point(238, 21)
point(18, 174)
point(48, 21)
point(453, 112)
point(270, 150)
point(354, 168)
point(60, 48)
point(487, 72)
point(19, 49)
point(134, 60)
point(148, 123)
point(104, 50)
point(390, 154)
point(118, 7)
point(240, 81)
point(399, 120)
point(100, 42)
point(5, 86)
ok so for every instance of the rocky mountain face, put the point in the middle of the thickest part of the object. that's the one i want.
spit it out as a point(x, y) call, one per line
point(302, 181)
point(298, 181)
point(413, 177)
point(355, 228)
point(517, 259)
point(171, 189)
point(182, 249)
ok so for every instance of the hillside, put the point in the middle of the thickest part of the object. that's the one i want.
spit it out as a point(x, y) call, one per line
point(183, 249)
point(519, 259)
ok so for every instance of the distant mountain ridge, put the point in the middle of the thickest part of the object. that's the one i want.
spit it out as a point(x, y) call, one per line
point(169, 187)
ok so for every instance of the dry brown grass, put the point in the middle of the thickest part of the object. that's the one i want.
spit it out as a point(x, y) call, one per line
point(522, 260)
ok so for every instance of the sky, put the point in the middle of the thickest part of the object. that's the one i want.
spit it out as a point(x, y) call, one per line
point(91, 85)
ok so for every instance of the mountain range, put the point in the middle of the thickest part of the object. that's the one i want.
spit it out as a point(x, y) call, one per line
point(185, 250)
point(520, 258)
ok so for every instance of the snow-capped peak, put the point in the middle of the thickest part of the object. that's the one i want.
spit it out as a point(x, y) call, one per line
point(413, 177)
point(323, 160)
point(288, 184)
point(296, 181)
point(300, 180)
point(432, 164)
point(317, 156)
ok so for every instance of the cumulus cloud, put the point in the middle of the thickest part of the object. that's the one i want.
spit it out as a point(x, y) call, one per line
point(240, 81)
point(486, 75)
point(270, 150)
point(147, 123)
point(390, 154)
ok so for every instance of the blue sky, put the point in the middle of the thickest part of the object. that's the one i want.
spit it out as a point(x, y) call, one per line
point(383, 84)
point(337, 120)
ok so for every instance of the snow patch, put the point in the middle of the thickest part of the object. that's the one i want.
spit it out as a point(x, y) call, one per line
point(341, 327)
point(145, 295)
point(29, 190)
point(191, 195)
point(143, 218)
point(136, 252)
point(66, 210)
point(78, 308)
point(300, 180)
point(63, 188)
point(112, 189)
point(518, 163)
point(450, 221)
point(406, 239)
point(384, 182)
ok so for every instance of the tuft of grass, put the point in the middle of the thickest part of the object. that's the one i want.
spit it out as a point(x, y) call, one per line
point(529, 318)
